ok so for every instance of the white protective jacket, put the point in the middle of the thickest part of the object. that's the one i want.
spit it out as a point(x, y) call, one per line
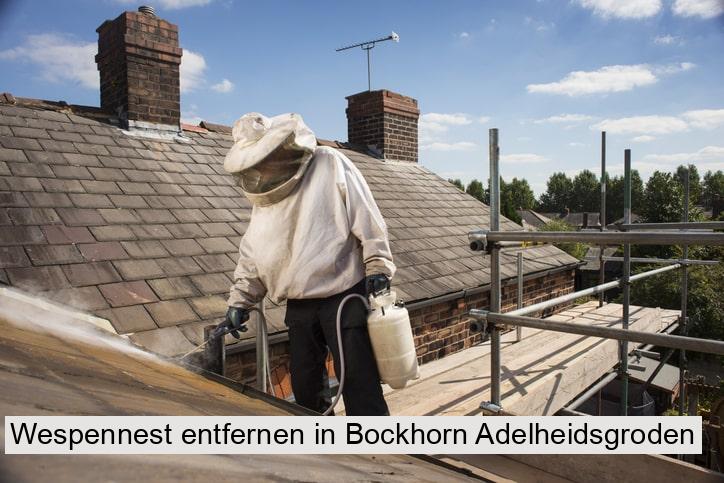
point(319, 240)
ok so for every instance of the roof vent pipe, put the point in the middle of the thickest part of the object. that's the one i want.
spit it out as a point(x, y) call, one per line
point(145, 9)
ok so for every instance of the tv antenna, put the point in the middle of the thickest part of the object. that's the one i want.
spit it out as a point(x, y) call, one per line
point(367, 46)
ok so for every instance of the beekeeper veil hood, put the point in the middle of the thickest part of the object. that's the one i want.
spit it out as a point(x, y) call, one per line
point(269, 155)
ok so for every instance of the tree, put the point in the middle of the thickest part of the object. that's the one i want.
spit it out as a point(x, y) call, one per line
point(574, 249)
point(662, 199)
point(522, 197)
point(705, 303)
point(558, 194)
point(457, 183)
point(476, 190)
point(586, 192)
point(694, 182)
point(614, 196)
point(713, 188)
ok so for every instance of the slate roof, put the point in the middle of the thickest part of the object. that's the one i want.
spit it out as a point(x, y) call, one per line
point(144, 232)
point(532, 218)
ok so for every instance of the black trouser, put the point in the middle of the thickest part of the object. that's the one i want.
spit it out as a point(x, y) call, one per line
point(312, 331)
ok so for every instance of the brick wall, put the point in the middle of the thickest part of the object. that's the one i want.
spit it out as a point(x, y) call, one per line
point(439, 329)
point(385, 120)
point(138, 59)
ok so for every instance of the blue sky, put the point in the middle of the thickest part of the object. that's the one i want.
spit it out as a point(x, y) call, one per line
point(550, 74)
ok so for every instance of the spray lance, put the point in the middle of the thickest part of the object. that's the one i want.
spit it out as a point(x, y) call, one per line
point(388, 325)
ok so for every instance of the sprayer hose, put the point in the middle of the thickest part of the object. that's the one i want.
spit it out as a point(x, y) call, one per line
point(341, 374)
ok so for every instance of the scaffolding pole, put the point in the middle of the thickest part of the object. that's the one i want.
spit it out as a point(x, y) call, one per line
point(570, 297)
point(494, 186)
point(519, 298)
point(708, 346)
point(684, 297)
point(486, 239)
point(686, 225)
point(602, 218)
point(664, 261)
point(626, 283)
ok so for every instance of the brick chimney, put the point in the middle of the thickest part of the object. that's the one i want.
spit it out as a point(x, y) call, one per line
point(385, 121)
point(138, 59)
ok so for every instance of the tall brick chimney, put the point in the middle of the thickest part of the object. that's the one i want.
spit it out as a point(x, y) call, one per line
point(139, 59)
point(386, 121)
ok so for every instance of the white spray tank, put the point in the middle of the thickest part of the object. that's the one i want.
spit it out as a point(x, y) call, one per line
point(390, 332)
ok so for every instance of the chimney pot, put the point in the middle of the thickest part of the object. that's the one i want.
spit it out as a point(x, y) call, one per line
point(384, 121)
point(147, 10)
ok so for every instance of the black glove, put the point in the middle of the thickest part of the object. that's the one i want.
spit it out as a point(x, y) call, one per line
point(234, 322)
point(376, 284)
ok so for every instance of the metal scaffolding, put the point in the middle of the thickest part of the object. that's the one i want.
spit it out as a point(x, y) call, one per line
point(627, 233)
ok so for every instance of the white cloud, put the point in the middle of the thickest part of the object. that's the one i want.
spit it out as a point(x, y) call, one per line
point(626, 9)
point(563, 119)
point(576, 144)
point(172, 4)
point(612, 78)
point(440, 146)
point(705, 118)
point(642, 125)
point(709, 157)
point(456, 119)
point(484, 119)
point(673, 68)
point(224, 86)
point(523, 158)
point(698, 8)
point(59, 57)
point(643, 139)
point(192, 70)
point(463, 35)
point(667, 40)
point(538, 25)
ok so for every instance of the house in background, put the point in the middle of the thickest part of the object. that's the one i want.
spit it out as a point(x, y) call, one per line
point(532, 220)
point(125, 213)
point(578, 220)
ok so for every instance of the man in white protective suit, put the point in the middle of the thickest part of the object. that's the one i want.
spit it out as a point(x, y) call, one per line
point(315, 236)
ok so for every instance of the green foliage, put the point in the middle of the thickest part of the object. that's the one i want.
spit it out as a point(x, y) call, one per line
point(614, 196)
point(521, 196)
point(476, 190)
point(694, 182)
point(558, 193)
point(577, 250)
point(706, 284)
point(662, 199)
point(457, 183)
point(586, 192)
point(712, 188)
point(514, 195)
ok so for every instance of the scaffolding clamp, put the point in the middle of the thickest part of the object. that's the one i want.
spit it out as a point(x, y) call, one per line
point(479, 240)
point(490, 409)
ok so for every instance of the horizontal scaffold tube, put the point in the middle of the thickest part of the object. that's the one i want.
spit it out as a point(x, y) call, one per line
point(689, 225)
point(665, 261)
point(608, 238)
point(586, 292)
point(656, 339)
